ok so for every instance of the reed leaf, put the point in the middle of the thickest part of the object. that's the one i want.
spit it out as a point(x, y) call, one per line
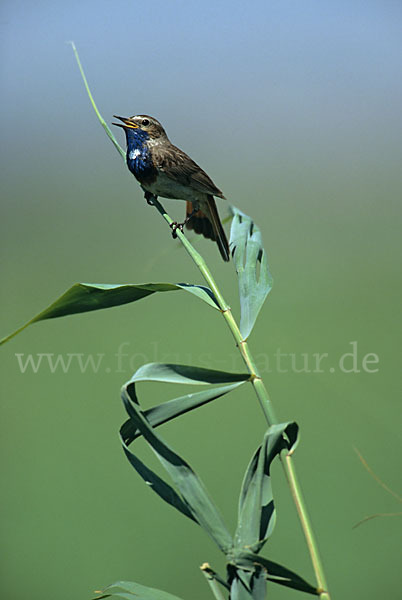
point(188, 494)
point(254, 277)
point(256, 518)
point(134, 591)
point(85, 297)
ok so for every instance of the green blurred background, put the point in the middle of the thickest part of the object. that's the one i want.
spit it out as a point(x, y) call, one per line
point(294, 109)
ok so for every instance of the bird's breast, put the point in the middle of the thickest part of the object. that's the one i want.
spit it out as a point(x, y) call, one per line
point(139, 161)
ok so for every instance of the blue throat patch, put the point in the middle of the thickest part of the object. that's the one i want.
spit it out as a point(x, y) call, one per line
point(138, 156)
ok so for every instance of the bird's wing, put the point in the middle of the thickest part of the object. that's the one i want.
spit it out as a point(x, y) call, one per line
point(178, 166)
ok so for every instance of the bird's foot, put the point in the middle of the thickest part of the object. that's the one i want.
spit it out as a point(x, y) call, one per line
point(149, 198)
point(180, 226)
point(176, 226)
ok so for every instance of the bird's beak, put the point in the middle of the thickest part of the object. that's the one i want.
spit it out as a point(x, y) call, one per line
point(128, 124)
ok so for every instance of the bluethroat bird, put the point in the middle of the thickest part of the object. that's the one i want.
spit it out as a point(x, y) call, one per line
point(164, 170)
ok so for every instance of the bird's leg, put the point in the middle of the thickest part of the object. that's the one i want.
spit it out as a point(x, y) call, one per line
point(188, 217)
point(149, 197)
point(175, 226)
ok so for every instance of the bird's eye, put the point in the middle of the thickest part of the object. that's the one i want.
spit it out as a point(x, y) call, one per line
point(145, 122)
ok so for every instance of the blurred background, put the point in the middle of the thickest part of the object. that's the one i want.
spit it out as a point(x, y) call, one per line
point(294, 110)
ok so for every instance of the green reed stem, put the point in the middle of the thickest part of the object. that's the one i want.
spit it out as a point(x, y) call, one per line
point(264, 400)
point(255, 378)
point(101, 119)
point(242, 345)
point(298, 499)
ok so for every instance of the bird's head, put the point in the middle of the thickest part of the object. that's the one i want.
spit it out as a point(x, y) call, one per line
point(142, 126)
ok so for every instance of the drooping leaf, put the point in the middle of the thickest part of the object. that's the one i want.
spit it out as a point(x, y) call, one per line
point(192, 498)
point(188, 494)
point(158, 415)
point(248, 561)
point(255, 281)
point(134, 591)
point(171, 373)
point(84, 297)
point(157, 484)
point(185, 374)
point(256, 518)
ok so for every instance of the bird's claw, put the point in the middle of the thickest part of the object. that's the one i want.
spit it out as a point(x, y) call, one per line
point(176, 226)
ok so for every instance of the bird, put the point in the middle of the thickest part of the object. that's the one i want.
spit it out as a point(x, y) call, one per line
point(164, 170)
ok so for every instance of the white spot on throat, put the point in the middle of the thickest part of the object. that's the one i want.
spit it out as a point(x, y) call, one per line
point(134, 153)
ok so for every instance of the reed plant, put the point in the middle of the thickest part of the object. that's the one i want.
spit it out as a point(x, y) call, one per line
point(247, 572)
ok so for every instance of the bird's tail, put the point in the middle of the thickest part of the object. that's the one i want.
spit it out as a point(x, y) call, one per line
point(207, 223)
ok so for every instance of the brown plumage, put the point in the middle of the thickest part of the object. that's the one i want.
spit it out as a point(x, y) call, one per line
point(207, 223)
point(164, 170)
